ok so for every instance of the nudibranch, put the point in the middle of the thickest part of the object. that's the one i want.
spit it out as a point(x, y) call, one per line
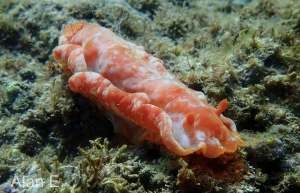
point(142, 99)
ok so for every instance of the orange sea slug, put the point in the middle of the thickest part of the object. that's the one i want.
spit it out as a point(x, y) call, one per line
point(144, 101)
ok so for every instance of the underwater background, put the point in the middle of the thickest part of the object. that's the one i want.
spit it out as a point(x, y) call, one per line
point(247, 51)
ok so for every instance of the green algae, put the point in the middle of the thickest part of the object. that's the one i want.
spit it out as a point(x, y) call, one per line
point(245, 51)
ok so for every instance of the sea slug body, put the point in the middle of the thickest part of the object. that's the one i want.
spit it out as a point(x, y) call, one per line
point(142, 99)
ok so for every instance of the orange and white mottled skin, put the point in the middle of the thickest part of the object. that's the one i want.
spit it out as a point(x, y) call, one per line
point(134, 85)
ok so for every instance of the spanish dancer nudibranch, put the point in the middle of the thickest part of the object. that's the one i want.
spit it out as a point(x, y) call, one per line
point(144, 101)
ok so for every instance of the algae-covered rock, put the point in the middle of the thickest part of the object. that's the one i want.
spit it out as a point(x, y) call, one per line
point(267, 151)
point(13, 89)
point(27, 74)
point(245, 51)
point(152, 179)
point(19, 97)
